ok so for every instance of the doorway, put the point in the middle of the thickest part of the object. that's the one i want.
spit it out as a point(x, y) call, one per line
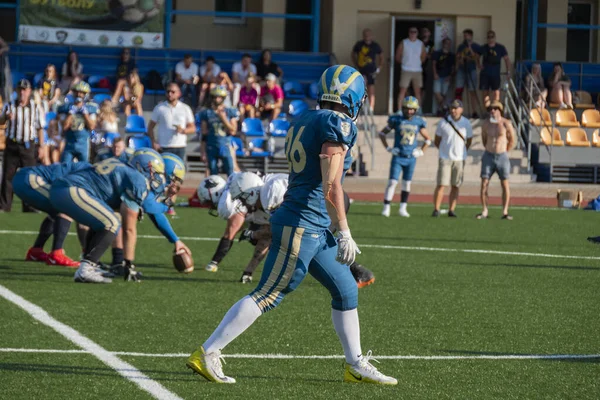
point(579, 41)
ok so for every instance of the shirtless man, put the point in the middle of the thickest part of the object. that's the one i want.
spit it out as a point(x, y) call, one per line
point(498, 137)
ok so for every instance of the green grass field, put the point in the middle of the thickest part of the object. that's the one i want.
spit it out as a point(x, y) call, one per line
point(506, 298)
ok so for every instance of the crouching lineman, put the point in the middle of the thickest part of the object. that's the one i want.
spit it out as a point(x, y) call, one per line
point(215, 192)
point(316, 146)
point(32, 185)
point(407, 125)
point(89, 197)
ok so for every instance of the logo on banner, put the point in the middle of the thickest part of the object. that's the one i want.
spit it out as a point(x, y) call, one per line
point(156, 38)
point(137, 40)
point(82, 38)
point(103, 40)
point(120, 40)
point(24, 34)
point(42, 35)
point(61, 36)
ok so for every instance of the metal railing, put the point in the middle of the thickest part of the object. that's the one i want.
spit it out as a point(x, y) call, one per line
point(366, 124)
point(514, 110)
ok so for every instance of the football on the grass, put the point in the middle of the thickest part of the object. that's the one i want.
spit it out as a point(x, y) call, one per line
point(183, 262)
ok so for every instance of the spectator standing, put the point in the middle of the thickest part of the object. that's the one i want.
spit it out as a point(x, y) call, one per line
point(443, 68)
point(411, 54)
point(175, 121)
point(559, 85)
point(467, 61)
point(271, 98)
point(248, 98)
point(5, 77)
point(134, 94)
point(367, 56)
point(209, 73)
point(72, 72)
point(80, 122)
point(498, 137)
point(48, 88)
point(240, 72)
point(539, 93)
point(266, 66)
point(23, 128)
point(125, 67)
point(453, 138)
point(187, 77)
point(492, 55)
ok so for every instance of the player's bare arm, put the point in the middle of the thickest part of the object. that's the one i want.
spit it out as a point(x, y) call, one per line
point(425, 135)
point(510, 135)
point(332, 167)
point(382, 136)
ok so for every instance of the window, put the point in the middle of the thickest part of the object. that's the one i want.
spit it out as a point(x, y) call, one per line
point(230, 6)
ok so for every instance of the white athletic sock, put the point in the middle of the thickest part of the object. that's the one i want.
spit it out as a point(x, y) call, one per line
point(390, 189)
point(239, 318)
point(403, 206)
point(348, 330)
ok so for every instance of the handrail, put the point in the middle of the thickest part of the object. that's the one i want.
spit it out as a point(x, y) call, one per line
point(367, 123)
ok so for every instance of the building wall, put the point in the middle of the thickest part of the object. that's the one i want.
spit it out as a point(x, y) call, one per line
point(194, 32)
point(349, 17)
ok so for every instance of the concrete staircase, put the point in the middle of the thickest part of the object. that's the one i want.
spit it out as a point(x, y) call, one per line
point(426, 170)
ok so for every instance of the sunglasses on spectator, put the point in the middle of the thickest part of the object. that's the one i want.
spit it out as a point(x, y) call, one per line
point(171, 91)
point(494, 109)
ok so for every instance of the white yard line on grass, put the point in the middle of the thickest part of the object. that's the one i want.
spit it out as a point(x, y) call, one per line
point(125, 369)
point(372, 246)
point(327, 357)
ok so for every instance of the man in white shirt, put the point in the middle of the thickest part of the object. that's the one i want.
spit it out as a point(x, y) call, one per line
point(175, 122)
point(209, 73)
point(453, 138)
point(240, 72)
point(411, 54)
point(187, 76)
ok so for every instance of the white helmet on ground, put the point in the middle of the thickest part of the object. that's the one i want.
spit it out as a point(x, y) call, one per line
point(211, 189)
point(246, 188)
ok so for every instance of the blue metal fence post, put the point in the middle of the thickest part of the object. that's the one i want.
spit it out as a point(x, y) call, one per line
point(17, 17)
point(535, 6)
point(315, 25)
point(168, 14)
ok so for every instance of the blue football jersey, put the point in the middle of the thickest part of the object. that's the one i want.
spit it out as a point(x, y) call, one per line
point(51, 173)
point(406, 132)
point(111, 181)
point(217, 135)
point(106, 153)
point(78, 131)
point(304, 203)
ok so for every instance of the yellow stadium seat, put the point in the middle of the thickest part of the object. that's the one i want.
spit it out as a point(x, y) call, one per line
point(577, 137)
point(596, 138)
point(540, 120)
point(585, 99)
point(556, 139)
point(591, 119)
point(566, 117)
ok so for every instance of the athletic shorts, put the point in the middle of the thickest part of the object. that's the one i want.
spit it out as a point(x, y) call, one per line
point(450, 172)
point(408, 76)
point(495, 163)
point(404, 164)
point(441, 86)
point(489, 82)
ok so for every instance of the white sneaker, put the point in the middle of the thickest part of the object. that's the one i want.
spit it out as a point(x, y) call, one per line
point(386, 210)
point(209, 366)
point(403, 213)
point(364, 372)
point(212, 267)
point(246, 278)
point(87, 273)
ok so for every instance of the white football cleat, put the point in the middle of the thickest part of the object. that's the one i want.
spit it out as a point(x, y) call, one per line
point(386, 210)
point(364, 372)
point(87, 273)
point(209, 366)
point(403, 213)
point(212, 267)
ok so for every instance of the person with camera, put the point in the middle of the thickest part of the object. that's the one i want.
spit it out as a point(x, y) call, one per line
point(443, 69)
point(453, 138)
point(467, 61)
point(22, 117)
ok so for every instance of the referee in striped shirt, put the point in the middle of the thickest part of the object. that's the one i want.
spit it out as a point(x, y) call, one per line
point(23, 125)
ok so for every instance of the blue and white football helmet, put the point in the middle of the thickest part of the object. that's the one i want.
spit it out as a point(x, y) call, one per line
point(344, 85)
point(151, 165)
point(174, 168)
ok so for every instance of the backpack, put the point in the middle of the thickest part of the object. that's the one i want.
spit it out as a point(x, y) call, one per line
point(154, 80)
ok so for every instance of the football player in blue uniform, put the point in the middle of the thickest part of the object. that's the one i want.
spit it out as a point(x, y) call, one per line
point(117, 150)
point(217, 124)
point(89, 197)
point(407, 126)
point(32, 185)
point(80, 121)
point(316, 145)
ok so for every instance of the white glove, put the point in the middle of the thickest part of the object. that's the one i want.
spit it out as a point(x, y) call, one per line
point(347, 248)
point(418, 152)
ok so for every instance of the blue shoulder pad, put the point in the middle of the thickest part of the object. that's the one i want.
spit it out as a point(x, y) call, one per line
point(233, 113)
point(92, 107)
point(337, 127)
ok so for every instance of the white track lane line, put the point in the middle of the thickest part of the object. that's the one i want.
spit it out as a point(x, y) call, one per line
point(125, 369)
point(325, 357)
point(371, 246)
